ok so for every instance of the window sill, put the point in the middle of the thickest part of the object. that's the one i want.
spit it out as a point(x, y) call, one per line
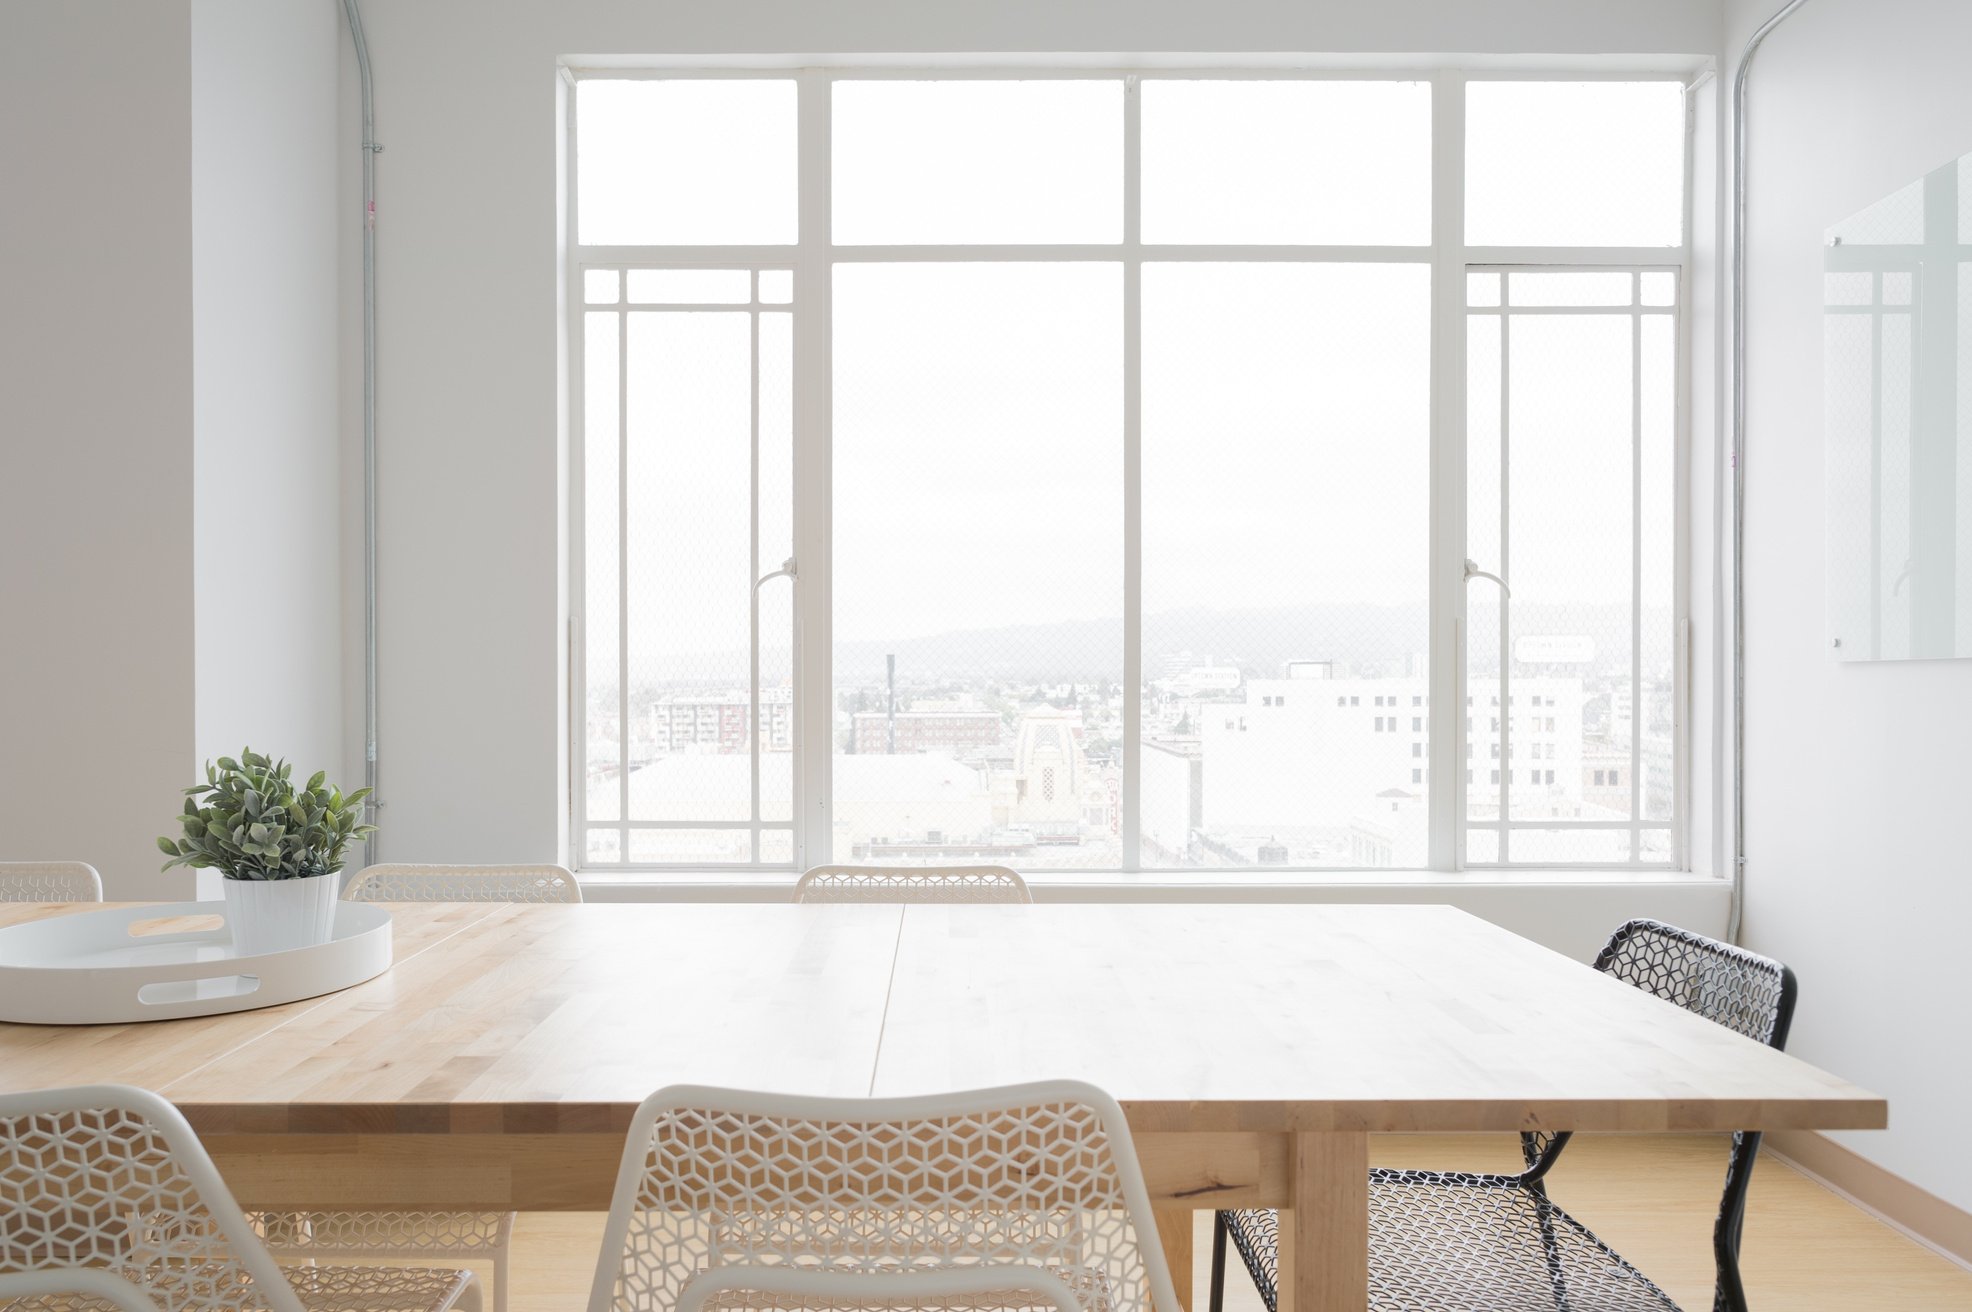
point(1163, 886)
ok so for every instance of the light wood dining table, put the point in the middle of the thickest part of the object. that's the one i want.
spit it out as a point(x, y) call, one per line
point(1253, 1047)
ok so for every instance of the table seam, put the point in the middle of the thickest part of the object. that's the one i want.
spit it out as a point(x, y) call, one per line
point(889, 988)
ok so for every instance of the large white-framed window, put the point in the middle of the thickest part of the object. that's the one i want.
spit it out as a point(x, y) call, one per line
point(1116, 469)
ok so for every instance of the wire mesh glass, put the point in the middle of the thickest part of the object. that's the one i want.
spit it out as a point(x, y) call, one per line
point(1286, 523)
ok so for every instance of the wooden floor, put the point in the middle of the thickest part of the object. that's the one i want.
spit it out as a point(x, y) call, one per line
point(1651, 1198)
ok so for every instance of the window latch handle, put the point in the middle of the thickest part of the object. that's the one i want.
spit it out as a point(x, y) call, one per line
point(1472, 571)
point(786, 570)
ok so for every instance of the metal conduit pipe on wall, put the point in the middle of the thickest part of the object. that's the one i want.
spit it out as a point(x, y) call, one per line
point(370, 149)
point(1739, 464)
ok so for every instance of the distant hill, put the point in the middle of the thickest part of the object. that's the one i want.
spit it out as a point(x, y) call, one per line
point(1361, 638)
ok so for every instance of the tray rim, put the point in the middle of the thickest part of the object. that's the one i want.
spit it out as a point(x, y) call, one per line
point(62, 994)
point(113, 922)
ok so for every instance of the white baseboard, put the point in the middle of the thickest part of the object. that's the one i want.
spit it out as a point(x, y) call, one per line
point(1916, 1213)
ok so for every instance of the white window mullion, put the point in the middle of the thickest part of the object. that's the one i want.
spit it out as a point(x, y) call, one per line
point(1636, 569)
point(1506, 570)
point(1445, 787)
point(814, 699)
point(753, 549)
point(1131, 825)
point(623, 736)
point(575, 641)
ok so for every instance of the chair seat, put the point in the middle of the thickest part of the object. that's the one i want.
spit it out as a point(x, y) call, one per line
point(290, 1234)
point(1090, 1288)
point(323, 1289)
point(378, 1288)
point(1466, 1242)
point(1002, 1300)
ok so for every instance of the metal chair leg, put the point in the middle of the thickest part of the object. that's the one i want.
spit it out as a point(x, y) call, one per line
point(1218, 1300)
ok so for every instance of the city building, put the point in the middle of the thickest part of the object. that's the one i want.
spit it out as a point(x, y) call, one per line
point(954, 732)
point(716, 722)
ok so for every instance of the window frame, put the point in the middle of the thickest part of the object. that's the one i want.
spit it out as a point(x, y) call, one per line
point(811, 259)
point(1501, 733)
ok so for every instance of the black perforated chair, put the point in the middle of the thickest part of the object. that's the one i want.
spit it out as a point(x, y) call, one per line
point(1462, 1241)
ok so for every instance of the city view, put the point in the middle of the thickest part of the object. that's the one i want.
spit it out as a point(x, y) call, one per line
point(977, 705)
point(944, 751)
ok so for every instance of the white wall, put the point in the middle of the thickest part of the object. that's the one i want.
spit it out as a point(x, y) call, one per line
point(266, 484)
point(96, 675)
point(1857, 774)
point(169, 506)
point(472, 560)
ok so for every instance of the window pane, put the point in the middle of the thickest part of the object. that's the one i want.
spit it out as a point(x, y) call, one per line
point(1596, 287)
point(700, 504)
point(603, 711)
point(691, 286)
point(1657, 543)
point(776, 286)
point(1569, 847)
point(690, 161)
point(974, 161)
point(1485, 604)
point(691, 847)
point(777, 596)
point(599, 286)
point(1573, 487)
point(689, 471)
point(1286, 486)
point(1574, 164)
point(1278, 161)
point(1570, 553)
point(978, 542)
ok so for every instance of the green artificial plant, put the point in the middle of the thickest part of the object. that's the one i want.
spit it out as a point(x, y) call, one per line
point(249, 821)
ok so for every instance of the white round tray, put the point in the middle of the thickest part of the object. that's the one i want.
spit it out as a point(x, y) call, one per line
point(91, 968)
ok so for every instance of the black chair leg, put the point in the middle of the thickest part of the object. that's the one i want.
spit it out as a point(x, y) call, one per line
point(1551, 1247)
point(1218, 1301)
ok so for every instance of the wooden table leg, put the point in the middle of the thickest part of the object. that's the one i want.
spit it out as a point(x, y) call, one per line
point(1324, 1233)
point(1174, 1229)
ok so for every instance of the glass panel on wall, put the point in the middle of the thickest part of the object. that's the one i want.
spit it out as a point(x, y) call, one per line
point(1897, 380)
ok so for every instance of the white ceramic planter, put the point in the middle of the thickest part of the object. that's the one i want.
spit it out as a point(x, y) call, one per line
point(280, 915)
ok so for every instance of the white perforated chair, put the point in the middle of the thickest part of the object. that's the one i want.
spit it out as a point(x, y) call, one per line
point(107, 1199)
point(1026, 1197)
point(911, 884)
point(418, 883)
point(49, 881)
point(454, 1236)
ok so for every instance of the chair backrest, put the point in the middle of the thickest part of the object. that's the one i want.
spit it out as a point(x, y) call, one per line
point(49, 881)
point(1743, 991)
point(1030, 1179)
point(105, 1191)
point(911, 884)
point(412, 883)
point(1747, 993)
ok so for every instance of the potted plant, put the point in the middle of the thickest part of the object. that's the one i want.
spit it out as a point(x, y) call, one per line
point(278, 847)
